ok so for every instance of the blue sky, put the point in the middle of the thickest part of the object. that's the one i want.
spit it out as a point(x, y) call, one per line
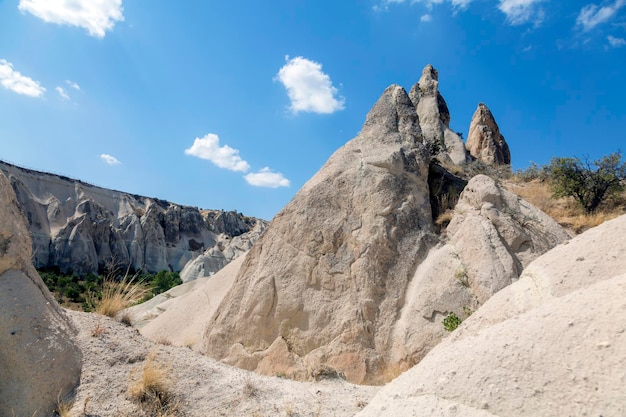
point(235, 105)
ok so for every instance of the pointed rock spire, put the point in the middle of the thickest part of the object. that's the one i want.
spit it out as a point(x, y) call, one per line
point(434, 117)
point(321, 287)
point(485, 142)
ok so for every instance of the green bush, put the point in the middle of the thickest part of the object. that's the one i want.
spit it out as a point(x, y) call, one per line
point(451, 322)
point(163, 281)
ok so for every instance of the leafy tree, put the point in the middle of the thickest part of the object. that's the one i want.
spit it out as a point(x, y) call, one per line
point(589, 183)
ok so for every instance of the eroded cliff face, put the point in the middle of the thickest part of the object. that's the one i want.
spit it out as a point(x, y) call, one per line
point(79, 227)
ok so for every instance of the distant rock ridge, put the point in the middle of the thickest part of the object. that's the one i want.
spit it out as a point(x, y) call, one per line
point(79, 227)
point(484, 141)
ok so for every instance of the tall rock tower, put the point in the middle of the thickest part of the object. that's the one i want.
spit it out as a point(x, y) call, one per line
point(485, 142)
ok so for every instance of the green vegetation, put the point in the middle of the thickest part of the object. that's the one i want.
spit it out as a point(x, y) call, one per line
point(451, 322)
point(83, 293)
point(589, 183)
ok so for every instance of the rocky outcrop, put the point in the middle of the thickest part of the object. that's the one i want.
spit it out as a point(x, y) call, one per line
point(484, 141)
point(351, 275)
point(81, 228)
point(225, 250)
point(39, 361)
point(323, 284)
point(537, 347)
point(434, 118)
point(492, 236)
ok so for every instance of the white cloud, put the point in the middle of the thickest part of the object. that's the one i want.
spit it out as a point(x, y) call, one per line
point(72, 84)
point(111, 160)
point(226, 157)
point(96, 16)
point(592, 15)
point(616, 42)
point(519, 12)
point(267, 178)
point(62, 93)
point(426, 18)
point(309, 89)
point(18, 83)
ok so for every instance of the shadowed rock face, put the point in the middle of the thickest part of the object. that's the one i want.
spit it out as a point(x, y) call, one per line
point(39, 361)
point(434, 117)
point(484, 141)
point(325, 282)
point(80, 228)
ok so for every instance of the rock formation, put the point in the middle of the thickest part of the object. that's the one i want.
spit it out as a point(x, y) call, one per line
point(552, 343)
point(80, 228)
point(484, 141)
point(39, 361)
point(323, 284)
point(434, 118)
point(492, 236)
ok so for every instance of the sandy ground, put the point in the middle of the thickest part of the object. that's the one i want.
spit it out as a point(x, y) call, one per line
point(114, 354)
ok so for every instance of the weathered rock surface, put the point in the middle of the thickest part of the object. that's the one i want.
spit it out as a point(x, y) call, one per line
point(434, 118)
point(324, 283)
point(553, 343)
point(493, 234)
point(225, 250)
point(484, 141)
point(80, 228)
point(39, 361)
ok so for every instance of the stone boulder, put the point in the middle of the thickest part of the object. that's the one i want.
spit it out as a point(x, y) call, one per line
point(323, 286)
point(434, 118)
point(484, 141)
point(552, 343)
point(492, 236)
point(39, 361)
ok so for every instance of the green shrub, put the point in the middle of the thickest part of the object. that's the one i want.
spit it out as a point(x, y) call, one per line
point(451, 322)
point(163, 281)
point(587, 182)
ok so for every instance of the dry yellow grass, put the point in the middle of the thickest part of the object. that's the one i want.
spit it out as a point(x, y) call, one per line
point(151, 387)
point(116, 295)
point(566, 211)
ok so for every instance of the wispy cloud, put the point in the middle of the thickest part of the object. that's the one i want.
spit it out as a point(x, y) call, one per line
point(592, 15)
point(616, 42)
point(109, 159)
point(267, 178)
point(459, 4)
point(426, 18)
point(519, 12)
point(62, 93)
point(308, 87)
point(72, 84)
point(208, 147)
point(18, 83)
point(96, 17)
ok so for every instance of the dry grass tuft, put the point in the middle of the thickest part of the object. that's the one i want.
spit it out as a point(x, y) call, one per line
point(565, 210)
point(64, 407)
point(150, 386)
point(250, 389)
point(98, 330)
point(324, 371)
point(116, 295)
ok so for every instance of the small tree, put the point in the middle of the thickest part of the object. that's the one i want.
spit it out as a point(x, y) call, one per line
point(589, 183)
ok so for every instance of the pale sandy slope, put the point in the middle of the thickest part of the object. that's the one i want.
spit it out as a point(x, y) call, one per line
point(202, 386)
